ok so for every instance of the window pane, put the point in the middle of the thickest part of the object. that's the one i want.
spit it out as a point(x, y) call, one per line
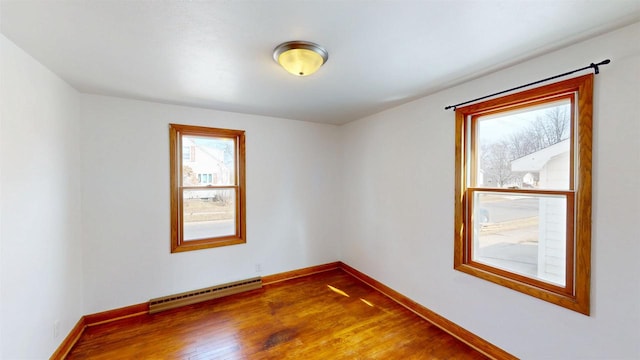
point(186, 153)
point(209, 213)
point(528, 148)
point(212, 161)
point(523, 234)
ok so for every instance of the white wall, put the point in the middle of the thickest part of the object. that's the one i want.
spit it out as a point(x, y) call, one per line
point(398, 212)
point(40, 248)
point(292, 201)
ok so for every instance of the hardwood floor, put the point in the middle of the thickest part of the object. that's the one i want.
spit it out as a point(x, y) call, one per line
point(330, 315)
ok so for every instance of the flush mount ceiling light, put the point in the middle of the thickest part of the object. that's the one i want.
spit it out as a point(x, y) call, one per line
point(300, 58)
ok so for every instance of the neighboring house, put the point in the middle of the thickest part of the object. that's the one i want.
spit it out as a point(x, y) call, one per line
point(203, 165)
point(553, 166)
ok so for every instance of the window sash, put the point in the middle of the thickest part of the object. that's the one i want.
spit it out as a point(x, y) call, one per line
point(236, 210)
point(472, 224)
point(474, 141)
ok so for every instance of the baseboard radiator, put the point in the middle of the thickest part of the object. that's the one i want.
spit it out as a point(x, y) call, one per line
point(196, 296)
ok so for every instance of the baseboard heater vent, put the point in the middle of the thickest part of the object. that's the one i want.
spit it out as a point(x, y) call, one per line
point(196, 296)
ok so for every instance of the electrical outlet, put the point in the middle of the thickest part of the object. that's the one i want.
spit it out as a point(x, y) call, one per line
point(258, 268)
point(56, 329)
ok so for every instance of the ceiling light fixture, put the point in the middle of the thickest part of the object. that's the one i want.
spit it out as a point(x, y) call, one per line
point(300, 58)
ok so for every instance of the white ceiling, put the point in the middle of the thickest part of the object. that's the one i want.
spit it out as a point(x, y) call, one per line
point(218, 54)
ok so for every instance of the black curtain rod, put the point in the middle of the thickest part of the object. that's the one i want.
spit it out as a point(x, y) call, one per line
point(596, 70)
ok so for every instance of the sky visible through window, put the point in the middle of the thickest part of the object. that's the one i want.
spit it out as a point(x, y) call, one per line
point(497, 127)
point(216, 144)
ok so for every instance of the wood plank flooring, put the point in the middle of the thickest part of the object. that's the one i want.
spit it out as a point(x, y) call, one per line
point(330, 315)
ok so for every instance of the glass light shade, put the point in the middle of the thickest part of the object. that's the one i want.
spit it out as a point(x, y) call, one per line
point(300, 62)
point(300, 58)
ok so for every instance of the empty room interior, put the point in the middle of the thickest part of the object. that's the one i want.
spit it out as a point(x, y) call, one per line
point(152, 149)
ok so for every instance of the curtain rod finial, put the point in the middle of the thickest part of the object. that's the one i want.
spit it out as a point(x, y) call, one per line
point(595, 67)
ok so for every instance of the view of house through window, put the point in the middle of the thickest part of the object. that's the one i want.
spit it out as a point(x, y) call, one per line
point(523, 191)
point(208, 188)
point(208, 212)
point(523, 149)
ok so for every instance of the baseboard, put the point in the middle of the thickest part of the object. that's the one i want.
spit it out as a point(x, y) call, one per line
point(270, 279)
point(116, 314)
point(68, 342)
point(96, 319)
point(458, 332)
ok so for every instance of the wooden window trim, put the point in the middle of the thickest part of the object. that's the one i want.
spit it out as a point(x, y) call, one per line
point(576, 295)
point(175, 164)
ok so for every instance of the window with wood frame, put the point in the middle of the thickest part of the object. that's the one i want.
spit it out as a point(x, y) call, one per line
point(207, 187)
point(523, 191)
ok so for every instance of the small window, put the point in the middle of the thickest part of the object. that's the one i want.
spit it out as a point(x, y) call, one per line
point(187, 153)
point(205, 214)
point(523, 191)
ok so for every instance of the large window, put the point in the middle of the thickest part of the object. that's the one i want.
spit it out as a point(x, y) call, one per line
point(523, 191)
point(207, 187)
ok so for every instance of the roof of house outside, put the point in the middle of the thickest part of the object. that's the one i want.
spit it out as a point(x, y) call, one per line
point(537, 160)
